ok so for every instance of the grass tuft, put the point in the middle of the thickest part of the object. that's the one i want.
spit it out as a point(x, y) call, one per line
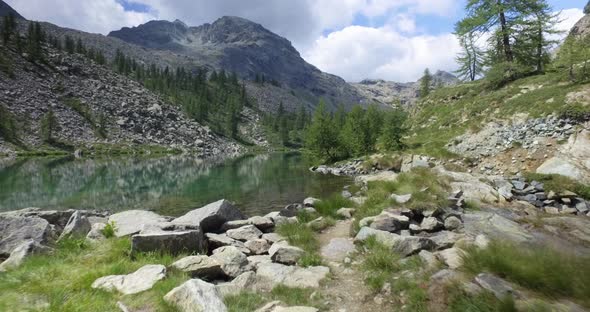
point(537, 268)
point(302, 236)
point(558, 183)
point(329, 206)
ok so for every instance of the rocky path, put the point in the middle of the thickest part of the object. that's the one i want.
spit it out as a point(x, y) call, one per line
point(345, 291)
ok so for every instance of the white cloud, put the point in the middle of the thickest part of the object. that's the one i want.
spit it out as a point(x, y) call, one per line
point(358, 52)
point(568, 19)
point(97, 16)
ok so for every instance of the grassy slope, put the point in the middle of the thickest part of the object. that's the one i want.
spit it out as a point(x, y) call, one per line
point(451, 111)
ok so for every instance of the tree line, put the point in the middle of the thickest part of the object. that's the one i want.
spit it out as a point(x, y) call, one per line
point(340, 135)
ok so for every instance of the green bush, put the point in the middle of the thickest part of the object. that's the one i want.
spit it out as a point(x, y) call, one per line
point(109, 230)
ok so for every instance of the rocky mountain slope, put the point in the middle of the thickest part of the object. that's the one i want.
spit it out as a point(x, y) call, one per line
point(92, 105)
point(404, 94)
point(238, 45)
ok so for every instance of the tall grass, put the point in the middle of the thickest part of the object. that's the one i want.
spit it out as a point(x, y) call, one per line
point(63, 279)
point(302, 236)
point(329, 206)
point(537, 268)
point(558, 183)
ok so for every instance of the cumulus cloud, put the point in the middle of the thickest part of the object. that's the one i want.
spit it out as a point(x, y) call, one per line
point(359, 52)
point(97, 16)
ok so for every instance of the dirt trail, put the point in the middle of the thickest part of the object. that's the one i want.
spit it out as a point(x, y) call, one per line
point(346, 291)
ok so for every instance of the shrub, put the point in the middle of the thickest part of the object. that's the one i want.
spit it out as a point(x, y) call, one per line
point(109, 230)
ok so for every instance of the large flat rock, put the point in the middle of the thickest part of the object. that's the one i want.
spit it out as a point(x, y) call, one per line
point(212, 216)
point(494, 226)
point(272, 274)
point(196, 296)
point(14, 231)
point(191, 241)
point(133, 221)
point(136, 282)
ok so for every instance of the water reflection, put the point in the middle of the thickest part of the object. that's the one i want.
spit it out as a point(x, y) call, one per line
point(169, 185)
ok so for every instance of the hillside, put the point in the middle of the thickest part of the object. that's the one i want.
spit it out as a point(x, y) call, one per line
point(238, 45)
point(404, 94)
point(93, 108)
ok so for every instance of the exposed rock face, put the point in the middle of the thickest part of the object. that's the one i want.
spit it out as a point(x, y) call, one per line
point(238, 45)
point(136, 282)
point(6, 9)
point(273, 274)
point(573, 159)
point(400, 94)
point(196, 296)
point(494, 226)
point(582, 27)
point(211, 217)
point(499, 287)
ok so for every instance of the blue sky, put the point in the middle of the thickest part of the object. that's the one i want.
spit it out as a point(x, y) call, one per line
point(355, 39)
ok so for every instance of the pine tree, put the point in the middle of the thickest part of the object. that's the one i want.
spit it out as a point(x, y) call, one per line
point(49, 127)
point(8, 27)
point(373, 121)
point(471, 59)
point(69, 44)
point(393, 130)
point(301, 118)
point(80, 49)
point(321, 138)
point(355, 133)
point(587, 8)
point(34, 41)
point(425, 83)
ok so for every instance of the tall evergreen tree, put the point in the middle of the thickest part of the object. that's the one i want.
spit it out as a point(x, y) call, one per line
point(49, 127)
point(394, 130)
point(8, 27)
point(425, 83)
point(321, 138)
point(355, 133)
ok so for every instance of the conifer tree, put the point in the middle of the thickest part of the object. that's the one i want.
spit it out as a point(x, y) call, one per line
point(321, 138)
point(425, 83)
point(471, 58)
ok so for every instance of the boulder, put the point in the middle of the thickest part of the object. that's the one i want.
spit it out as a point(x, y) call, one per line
point(15, 231)
point(428, 258)
point(233, 262)
point(401, 199)
point(258, 246)
point(244, 282)
point(136, 282)
point(290, 211)
point(192, 241)
point(211, 217)
point(244, 233)
point(196, 296)
point(385, 238)
point(445, 239)
point(494, 226)
point(132, 221)
point(78, 226)
point(20, 253)
point(346, 213)
point(262, 223)
point(452, 257)
point(310, 202)
point(283, 253)
point(274, 274)
point(199, 266)
point(273, 237)
point(410, 245)
point(255, 260)
point(499, 287)
point(230, 225)
point(390, 222)
point(431, 224)
point(95, 233)
point(453, 223)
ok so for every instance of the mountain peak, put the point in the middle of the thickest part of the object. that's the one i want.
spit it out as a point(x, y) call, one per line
point(6, 9)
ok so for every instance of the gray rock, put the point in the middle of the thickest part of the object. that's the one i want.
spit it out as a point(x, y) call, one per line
point(244, 233)
point(136, 282)
point(346, 213)
point(220, 240)
point(192, 241)
point(519, 185)
point(258, 246)
point(410, 245)
point(445, 239)
point(290, 211)
point(506, 192)
point(255, 260)
point(14, 231)
point(78, 226)
point(431, 224)
point(499, 287)
point(453, 223)
point(196, 296)
point(200, 266)
point(310, 202)
point(494, 226)
point(285, 254)
point(230, 225)
point(428, 258)
point(452, 257)
point(211, 217)
point(337, 249)
point(95, 233)
point(390, 222)
point(401, 199)
point(262, 223)
point(274, 274)
point(233, 261)
point(273, 237)
point(132, 221)
point(20, 253)
point(244, 282)
point(276, 306)
point(385, 238)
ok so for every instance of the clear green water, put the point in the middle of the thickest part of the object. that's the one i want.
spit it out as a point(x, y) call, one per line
point(170, 185)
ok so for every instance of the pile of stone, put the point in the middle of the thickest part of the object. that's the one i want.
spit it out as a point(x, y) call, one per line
point(349, 168)
point(497, 137)
point(431, 233)
point(534, 193)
